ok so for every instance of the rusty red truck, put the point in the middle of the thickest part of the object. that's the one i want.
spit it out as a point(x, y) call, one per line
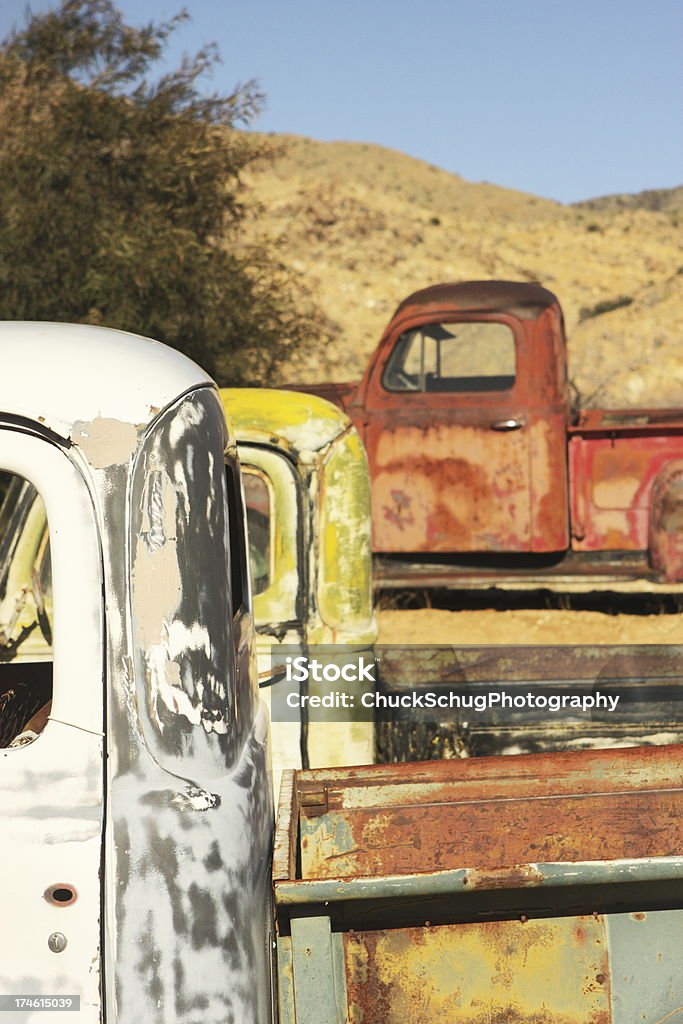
point(481, 467)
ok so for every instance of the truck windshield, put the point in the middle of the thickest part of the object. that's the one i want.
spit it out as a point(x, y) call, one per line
point(457, 357)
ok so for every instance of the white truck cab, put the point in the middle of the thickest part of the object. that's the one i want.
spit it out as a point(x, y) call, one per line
point(135, 796)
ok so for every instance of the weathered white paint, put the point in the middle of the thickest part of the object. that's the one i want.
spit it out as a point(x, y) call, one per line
point(51, 790)
point(59, 374)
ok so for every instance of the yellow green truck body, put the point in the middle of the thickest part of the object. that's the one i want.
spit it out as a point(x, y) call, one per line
point(307, 499)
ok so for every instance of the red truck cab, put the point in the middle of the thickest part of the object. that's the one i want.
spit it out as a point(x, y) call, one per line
point(475, 452)
point(465, 409)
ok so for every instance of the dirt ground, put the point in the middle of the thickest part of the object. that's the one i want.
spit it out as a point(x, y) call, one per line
point(435, 626)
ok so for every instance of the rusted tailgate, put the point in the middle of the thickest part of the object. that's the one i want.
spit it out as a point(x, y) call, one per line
point(539, 888)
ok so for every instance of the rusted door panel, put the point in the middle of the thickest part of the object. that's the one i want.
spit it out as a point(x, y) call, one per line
point(611, 480)
point(547, 434)
point(441, 484)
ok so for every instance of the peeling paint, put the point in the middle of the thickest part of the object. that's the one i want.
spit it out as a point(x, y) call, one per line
point(105, 442)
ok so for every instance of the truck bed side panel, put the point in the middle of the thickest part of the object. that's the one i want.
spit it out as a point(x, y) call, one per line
point(611, 478)
point(375, 926)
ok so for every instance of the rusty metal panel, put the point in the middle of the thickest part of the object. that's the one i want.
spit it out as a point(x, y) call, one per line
point(578, 968)
point(444, 477)
point(490, 813)
point(617, 968)
point(665, 536)
point(490, 833)
point(612, 473)
point(434, 486)
point(549, 498)
point(465, 894)
point(550, 971)
point(576, 941)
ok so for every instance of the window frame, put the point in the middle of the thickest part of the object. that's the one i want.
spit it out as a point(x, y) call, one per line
point(422, 389)
point(77, 579)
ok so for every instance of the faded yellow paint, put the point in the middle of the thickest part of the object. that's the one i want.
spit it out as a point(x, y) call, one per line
point(286, 418)
point(345, 572)
point(332, 479)
point(320, 588)
point(553, 971)
point(278, 602)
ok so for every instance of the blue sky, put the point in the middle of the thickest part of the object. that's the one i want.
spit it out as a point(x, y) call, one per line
point(562, 99)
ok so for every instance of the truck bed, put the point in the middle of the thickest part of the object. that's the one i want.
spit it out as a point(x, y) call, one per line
point(540, 888)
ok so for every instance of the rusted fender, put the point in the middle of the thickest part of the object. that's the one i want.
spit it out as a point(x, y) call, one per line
point(665, 537)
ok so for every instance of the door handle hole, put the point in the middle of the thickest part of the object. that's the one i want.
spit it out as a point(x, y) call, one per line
point(61, 895)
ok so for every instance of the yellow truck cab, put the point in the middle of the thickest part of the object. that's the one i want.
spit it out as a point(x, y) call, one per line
point(135, 791)
point(307, 496)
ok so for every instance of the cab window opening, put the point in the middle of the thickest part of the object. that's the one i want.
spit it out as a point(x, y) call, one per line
point(258, 504)
point(470, 356)
point(26, 630)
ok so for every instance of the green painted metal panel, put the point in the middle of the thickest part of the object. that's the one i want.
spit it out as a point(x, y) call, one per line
point(318, 972)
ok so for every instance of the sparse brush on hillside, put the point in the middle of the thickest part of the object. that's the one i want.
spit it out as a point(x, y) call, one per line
point(368, 225)
point(122, 202)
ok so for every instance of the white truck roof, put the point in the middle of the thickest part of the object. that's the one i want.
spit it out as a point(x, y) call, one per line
point(65, 374)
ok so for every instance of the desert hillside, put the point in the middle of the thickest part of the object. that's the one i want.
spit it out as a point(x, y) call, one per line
point(366, 226)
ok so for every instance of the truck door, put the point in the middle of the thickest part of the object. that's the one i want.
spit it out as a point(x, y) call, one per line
point(51, 714)
point(448, 439)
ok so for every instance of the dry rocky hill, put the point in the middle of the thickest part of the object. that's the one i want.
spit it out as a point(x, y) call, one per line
point(365, 226)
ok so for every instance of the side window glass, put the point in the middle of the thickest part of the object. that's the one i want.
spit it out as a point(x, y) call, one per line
point(453, 357)
point(259, 522)
point(25, 614)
